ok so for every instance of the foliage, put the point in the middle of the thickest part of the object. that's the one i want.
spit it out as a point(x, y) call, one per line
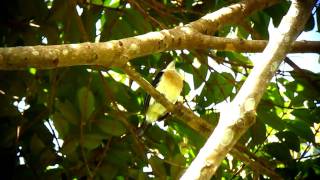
point(95, 111)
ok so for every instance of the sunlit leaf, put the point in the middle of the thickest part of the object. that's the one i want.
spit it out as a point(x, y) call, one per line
point(270, 118)
point(111, 3)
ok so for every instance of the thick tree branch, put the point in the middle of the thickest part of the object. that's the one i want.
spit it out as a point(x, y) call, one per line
point(239, 115)
point(119, 52)
point(112, 52)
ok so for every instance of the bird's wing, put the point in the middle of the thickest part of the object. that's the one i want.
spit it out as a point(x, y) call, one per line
point(154, 84)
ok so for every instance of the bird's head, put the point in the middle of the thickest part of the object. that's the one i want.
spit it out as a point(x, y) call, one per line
point(171, 67)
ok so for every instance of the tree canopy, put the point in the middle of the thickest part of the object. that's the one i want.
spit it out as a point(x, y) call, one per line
point(74, 76)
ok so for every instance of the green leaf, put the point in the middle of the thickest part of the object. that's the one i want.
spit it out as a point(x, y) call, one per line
point(305, 115)
point(279, 151)
point(137, 174)
point(178, 166)
point(309, 87)
point(270, 117)
point(36, 144)
point(218, 87)
point(225, 30)
point(58, 10)
point(186, 67)
point(290, 139)
point(258, 132)
point(211, 116)
point(260, 23)
point(123, 95)
point(71, 31)
point(89, 18)
point(69, 147)
point(316, 115)
point(110, 19)
point(156, 134)
point(277, 12)
point(120, 157)
point(242, 33)
point(60, 124)
point(199, 75)
point(310, 24)
point(44, 134)
point(112, 3)
point(195, 138)
point(238, 57)
point(47, 156)
point(107, 171)
point(111, 126)
point(37, 9)
point(86, 102)
point(68, 112)
point(272, 94)
point(137, 21)
point(7, 108)
point(126, 29)
point(300, 128)
point(294, 91)
point(91, 141)
point(158, 166)
point(97, 2)
point(186, 89)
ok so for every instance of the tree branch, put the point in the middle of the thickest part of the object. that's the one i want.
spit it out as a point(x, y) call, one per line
point(119, 52)
point(254, 165)
point(115, 53)
point(241, 45)
point(240, 114)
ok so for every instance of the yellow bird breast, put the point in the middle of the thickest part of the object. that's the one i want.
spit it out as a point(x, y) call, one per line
point(170, 85)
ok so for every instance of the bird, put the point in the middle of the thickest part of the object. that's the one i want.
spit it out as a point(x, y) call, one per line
point(168, 82)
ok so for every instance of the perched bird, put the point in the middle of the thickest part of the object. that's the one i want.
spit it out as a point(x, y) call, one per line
point(169, 82)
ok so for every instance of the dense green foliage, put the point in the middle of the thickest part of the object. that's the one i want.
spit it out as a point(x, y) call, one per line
point(96, 111)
